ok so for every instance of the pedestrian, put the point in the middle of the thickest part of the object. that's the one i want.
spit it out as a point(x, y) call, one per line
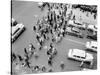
point(82, 63)
point(51, 70)
point(36, 68)
point(13, 57)
point(43, 69)
point(62, 65)
point(50, 62)
point(91, 64)
point(34, 28)
point(25, 50)
point(31, 47)
point(51, 45)
point(27, 63)
point(20, 57)
point(36, 55)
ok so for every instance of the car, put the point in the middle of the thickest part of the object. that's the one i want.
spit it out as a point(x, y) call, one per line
point(92, 46)
point(92, 35)
point(16, 31)
point(77, 24)
point(81, 26)
point(71, 23)
point(92, 28)
point(68, 30)
point(13, 22)
point(77, 32)
point(74, 31)
point(80, 55)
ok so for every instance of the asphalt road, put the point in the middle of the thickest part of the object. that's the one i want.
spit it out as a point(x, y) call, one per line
point(28, 13)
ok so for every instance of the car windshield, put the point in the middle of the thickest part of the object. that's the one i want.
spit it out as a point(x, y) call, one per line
point(15, 31)
point(75, 30)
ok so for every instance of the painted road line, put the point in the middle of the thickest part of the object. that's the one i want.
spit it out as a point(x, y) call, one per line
point(75, 41)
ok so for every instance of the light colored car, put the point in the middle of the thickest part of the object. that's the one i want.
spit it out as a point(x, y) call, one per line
point(92, 32)
point(80, 55)
point(77, 32)
point(16, 31)
point(92, 28)
point(77, 24)
point(74, 31)
point(92, 45)
point(81, 26)
point(92, 35)
point(71, 23)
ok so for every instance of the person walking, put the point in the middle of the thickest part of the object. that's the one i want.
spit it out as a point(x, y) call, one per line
point(20, 58)
point(82, 63)
point(62, 65)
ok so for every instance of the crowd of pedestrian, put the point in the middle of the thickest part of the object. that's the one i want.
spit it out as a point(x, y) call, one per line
point(54, 24)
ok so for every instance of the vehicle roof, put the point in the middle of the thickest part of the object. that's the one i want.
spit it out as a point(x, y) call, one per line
point(92, 27)
point(71, 22)
point(75, 29)
point(14, 28)
point(68, 29)
point(94, 43)
point(78, 52)
point(78, 22)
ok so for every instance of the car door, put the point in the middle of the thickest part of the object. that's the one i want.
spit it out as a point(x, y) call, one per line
point(76, 57)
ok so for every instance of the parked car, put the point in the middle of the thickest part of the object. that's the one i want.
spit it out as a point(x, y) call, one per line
point(80, 26)
point(74, 31)
point(80, 55)
point(77, 24)
point(77, 32)
point(68, 30)
point(16, 31)
point(92, 28)
point(92, 35)
point(92, 46)
point(71, 23)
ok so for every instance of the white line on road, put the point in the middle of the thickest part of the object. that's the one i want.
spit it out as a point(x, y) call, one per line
point(75, 41)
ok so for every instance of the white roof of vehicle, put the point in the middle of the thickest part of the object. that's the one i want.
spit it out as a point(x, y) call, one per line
point(77, 21)
point(14, 28)
point(92, 27)
point(68, 29)
point(78, 52)
point(94, 43)
point(75, 29)
point(70, 22)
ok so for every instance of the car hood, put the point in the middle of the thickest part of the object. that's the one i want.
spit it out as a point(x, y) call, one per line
point(89, 56)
